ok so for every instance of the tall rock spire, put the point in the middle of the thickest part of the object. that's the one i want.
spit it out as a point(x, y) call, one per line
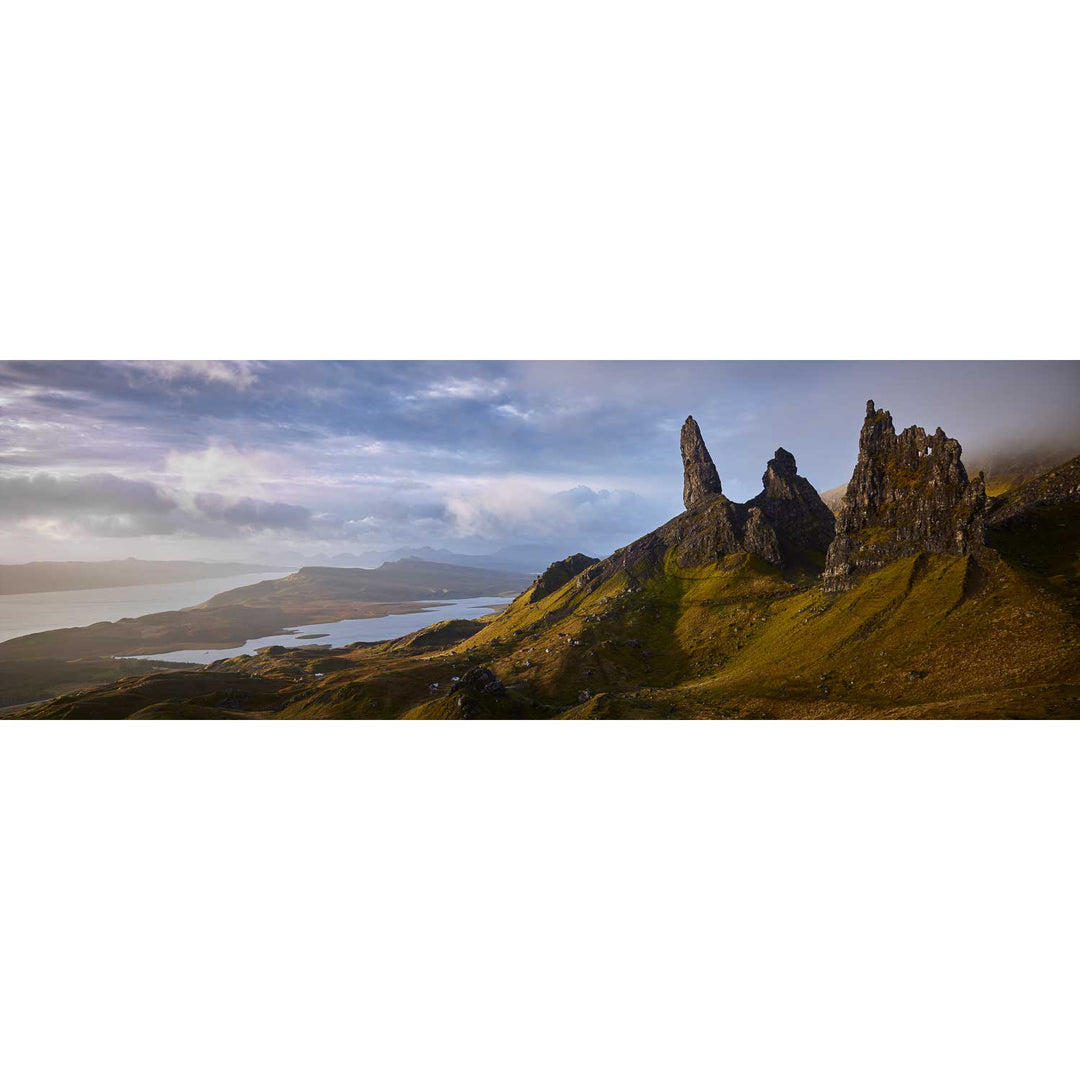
point(700, 478)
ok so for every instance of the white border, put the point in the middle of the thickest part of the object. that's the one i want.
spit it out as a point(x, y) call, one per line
point(748, 899)
point(493, 180)
point(498, 180)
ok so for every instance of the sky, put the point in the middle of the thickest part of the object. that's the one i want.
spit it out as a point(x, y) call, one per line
point(276, 460)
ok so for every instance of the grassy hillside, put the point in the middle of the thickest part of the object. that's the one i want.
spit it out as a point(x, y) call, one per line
point(928, 635)
point(1007, 469)
point(35, 680)
point(201, 694)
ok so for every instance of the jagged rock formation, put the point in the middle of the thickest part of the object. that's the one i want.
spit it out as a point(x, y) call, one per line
point(700, 478)
point(909, 494)
point(787, 525)
point(791, 505)
point(760, 537)
point(558, 574)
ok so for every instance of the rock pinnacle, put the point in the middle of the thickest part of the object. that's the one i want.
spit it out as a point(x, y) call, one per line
point(700, 478)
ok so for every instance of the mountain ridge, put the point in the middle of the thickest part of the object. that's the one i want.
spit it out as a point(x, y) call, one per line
point(529, 558)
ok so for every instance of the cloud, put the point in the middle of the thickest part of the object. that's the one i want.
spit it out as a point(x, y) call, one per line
point(101, 504)
point(43, 493)
point(461, 389)
point(241, 374)
point(254, 513)
point(221, 466)
point(520, 509)
point(97, 504)
point(507, 409)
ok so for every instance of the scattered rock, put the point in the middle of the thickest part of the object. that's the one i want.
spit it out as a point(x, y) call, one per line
point(478, 680)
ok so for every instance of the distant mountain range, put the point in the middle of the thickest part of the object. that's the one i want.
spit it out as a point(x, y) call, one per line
point(527, 558)
point(57, 576)
point(408, 579)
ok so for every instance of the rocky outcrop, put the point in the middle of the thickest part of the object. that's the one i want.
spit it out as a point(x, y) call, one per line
point(787, 525)
point(477, 695)
point(477, 680)
point(759, 537)
point(701, 481)
point(801, 520)
point(909, 494)
point(558, 574)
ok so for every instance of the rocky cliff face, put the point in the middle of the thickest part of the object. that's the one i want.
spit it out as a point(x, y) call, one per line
point(700, 478)
point(787, 525)
point(909, 494)
point(791, 505)
point(558, 574)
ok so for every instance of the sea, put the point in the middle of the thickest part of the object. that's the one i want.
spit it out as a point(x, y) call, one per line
point(30, 613)
point(346, 631)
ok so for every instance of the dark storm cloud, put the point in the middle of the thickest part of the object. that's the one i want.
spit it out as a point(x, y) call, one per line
point(253, 513)
point(41, 493)
point(99, 504)
point(110, 505)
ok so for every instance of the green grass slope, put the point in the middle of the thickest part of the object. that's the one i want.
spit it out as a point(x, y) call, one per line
point(172, 694)
point(927, 635)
